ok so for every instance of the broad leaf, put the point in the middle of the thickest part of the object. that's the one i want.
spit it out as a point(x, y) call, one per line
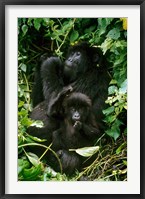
point(109, 110)
point(123, 88)
point(23, 67)
point(112, 90)
point(36, 139)
point(74, 36)
point(22, 164)
point(33, 158)
point(114, 34)
point(37, 23)
point(32, 173)
point(103, 24)
point(86, 151)
point(24, 29)
point(106, 45)
point(38, 124)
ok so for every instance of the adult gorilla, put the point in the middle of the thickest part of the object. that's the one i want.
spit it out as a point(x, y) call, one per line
point(84, 70)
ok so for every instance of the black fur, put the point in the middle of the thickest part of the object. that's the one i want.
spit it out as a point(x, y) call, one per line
point(87, 75)
point(75, 132)
point(84, 71)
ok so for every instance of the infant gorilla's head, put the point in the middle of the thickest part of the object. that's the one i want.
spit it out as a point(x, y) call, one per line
point(77, 107)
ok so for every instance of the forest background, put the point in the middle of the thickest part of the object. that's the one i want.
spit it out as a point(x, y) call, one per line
point(37, 36)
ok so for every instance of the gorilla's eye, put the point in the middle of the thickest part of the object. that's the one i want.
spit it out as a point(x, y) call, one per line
point(72, 109)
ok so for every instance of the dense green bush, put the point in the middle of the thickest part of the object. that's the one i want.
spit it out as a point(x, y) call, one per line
point(37, 36)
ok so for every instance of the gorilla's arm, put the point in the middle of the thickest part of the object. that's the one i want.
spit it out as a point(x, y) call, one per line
point(55, 105)
point(52, 77)
point(88, 129)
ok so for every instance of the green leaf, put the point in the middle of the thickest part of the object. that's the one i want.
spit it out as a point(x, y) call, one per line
point(37, 23)
point(22, 112)
point(123, 88)
point(24, 29)
point(21, 103)
point(22, 164)
point(33, 158)
point(23, 67)
point(38, 124)
point(90, 29)
point(103, 24)
point(118, 122)
point(86, 151)
point(119, 47)
point(113, 132)
point(109, 110)
point(113, 81)
point(125, 162)
point(110, 118)
point(112, 90)
point(119, 149)
point(114, 34)
point(36, 139)
point(46, 21)
point(106, 45)
point(74, 36)
point(21, 58)
point(32, 173)
point(29, 22)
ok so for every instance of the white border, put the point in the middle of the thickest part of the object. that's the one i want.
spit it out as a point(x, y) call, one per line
point(132, 186)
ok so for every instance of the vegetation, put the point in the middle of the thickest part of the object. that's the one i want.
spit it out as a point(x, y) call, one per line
point(37, 36)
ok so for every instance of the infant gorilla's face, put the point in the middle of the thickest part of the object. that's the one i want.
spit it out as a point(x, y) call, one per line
point(77, 108)
point(77, 114)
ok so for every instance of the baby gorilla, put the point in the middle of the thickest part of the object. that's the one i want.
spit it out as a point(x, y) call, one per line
point(79, 129)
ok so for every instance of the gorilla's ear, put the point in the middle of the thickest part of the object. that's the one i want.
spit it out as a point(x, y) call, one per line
point(96, 54)
point(96, 58)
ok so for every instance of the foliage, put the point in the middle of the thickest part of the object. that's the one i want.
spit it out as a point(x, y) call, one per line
point(37, 36)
